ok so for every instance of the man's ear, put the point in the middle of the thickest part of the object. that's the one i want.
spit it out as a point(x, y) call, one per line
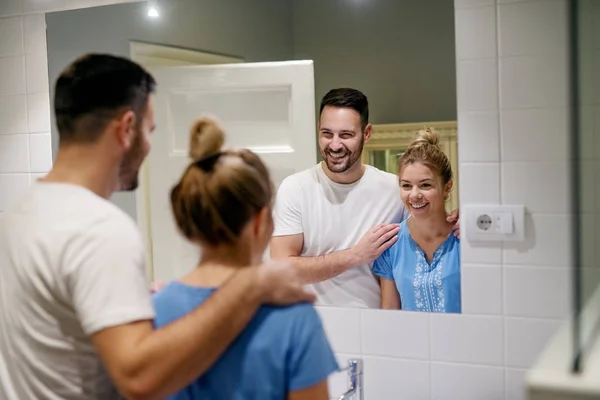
point(368, 131)
point(126, 129)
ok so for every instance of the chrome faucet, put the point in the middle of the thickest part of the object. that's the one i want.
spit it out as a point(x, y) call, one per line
point(355, 379)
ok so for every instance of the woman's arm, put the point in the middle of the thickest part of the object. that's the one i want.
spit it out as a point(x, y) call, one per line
point(390, 298)
point(315, 392)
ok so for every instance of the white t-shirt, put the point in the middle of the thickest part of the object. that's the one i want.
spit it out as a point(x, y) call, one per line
point(334, 217)
point(71, 264)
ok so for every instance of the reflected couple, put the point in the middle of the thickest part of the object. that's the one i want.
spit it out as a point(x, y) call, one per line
point(361, 237)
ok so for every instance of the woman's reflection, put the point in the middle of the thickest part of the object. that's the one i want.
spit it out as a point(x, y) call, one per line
point(421, 271)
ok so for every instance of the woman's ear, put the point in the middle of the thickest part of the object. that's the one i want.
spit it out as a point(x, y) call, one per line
point(448, 188)
point(261, 221)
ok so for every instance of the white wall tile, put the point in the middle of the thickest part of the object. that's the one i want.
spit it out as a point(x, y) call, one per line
point(38, 6)
point(533, 81)
point(481, 289)
point(478, 136)
point(10, 7)
point(526, 338)
point(40, 150)
point(532, 28)
point(480, 253)
point(535, 185)
point(14, 154)
point(467, 339)
point(535, 134)
point(11, 36)
point(342, 326)
point(485, 183)
point(36, 65)
point(13, 114)
point(475, 32)
point(477, 86)
point(547, 242)
point(38, 109)
point(34, 27)
point(395, 334)
point(394, 379)
point(12, 71)
point(34, 177)
point(12, 187)
point(466, 382)
point(515, 384)
point(537, 292)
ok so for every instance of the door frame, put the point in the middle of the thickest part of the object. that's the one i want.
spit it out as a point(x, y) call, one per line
point(155, 55)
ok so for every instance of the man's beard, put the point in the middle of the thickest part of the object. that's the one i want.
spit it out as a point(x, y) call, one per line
point(344, 163)
point(130, 166)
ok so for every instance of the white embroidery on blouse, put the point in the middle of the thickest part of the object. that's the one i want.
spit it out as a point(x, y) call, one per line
point(427, 282)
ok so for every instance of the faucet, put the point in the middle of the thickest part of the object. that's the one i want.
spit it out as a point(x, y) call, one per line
point(355, 379)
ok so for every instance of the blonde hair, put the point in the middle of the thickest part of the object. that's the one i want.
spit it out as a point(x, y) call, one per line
point(220, 191)
point(425, 149)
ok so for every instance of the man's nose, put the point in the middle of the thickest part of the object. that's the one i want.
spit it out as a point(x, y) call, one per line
point(336, 144)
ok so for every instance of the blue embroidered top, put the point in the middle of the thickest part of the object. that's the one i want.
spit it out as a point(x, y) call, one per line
point(423, 286)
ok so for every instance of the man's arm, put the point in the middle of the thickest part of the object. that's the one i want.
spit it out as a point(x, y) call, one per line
point(327, 266)
point(150, 364)
point(312, 269)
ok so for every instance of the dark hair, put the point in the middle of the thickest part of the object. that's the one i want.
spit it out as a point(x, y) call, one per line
point(220, 191)
point(94, 89)
point(348, 98)
point(426, 150)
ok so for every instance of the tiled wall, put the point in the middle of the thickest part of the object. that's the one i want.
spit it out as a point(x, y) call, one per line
point(513, 124)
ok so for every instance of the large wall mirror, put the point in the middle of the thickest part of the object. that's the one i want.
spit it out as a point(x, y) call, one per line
point(263, 67)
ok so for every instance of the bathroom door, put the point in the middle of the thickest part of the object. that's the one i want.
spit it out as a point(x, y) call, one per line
point(266, 107)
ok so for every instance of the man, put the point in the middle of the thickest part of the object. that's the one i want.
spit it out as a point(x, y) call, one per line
point(334, 219)
point(74, 301)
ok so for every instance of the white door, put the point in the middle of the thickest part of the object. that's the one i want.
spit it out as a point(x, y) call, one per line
point(266, 107)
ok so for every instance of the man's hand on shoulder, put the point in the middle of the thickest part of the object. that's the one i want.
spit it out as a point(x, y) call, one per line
point(278, 284)
point(453, 218)
point(374, 242)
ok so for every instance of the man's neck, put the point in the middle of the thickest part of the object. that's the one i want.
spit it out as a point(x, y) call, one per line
point(82, 166)
point(353, 174)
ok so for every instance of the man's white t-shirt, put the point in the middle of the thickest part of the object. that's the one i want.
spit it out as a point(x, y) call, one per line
point(71, 264)
point(334, 216)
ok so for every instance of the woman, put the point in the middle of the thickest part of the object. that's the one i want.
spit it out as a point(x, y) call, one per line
point(421, 271)
point(223, 204)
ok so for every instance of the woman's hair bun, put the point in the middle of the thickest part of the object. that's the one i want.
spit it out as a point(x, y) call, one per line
point(206, 138)
point(426, 136)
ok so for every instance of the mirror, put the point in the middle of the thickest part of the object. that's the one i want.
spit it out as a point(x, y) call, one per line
point(216, 56)
point(584, 144)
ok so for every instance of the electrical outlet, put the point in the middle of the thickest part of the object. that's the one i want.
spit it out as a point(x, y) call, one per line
point(493, 223)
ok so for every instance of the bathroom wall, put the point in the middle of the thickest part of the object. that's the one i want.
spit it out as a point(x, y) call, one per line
point(419, 74)
point(513, 124)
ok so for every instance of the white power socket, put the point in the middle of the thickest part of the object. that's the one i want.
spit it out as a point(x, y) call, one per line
point(494, 223)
